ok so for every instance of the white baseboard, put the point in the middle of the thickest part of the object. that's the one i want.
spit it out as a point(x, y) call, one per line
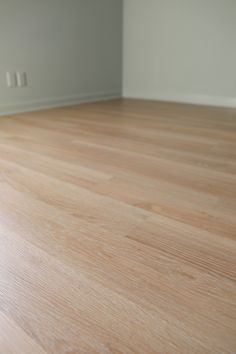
point(36, 105)
point(229, 102)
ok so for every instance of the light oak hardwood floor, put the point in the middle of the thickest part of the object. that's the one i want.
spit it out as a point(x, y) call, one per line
point(117, 230)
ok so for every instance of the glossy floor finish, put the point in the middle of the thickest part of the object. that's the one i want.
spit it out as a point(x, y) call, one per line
point(117, 230)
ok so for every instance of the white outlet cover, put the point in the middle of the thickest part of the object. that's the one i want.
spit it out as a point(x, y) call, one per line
point(11, 79)
point(21, 79)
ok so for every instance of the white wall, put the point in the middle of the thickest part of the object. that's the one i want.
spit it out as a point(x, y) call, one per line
point(180, 50)
point(70, 49)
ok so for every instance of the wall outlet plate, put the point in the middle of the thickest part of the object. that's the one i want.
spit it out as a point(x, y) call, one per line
point(11, 79)
point(21, 79)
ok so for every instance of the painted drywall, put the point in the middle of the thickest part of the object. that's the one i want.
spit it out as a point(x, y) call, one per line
point(180, 50)
point(71, 51)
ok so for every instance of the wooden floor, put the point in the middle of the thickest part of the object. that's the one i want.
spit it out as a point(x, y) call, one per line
point(118, 230)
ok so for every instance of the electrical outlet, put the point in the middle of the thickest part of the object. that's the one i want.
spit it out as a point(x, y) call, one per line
point(21, 78)
point(11, 79)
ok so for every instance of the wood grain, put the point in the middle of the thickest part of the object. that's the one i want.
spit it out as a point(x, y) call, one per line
point(117, 224)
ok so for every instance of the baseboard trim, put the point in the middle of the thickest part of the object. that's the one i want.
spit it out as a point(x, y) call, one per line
point(37, 105)
point(228, 102)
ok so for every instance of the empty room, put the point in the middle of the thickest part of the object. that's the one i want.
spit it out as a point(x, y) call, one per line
point(117, 176)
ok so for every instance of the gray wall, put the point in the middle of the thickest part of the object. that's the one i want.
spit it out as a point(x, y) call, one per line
point(181, 50)
point(70, 49)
